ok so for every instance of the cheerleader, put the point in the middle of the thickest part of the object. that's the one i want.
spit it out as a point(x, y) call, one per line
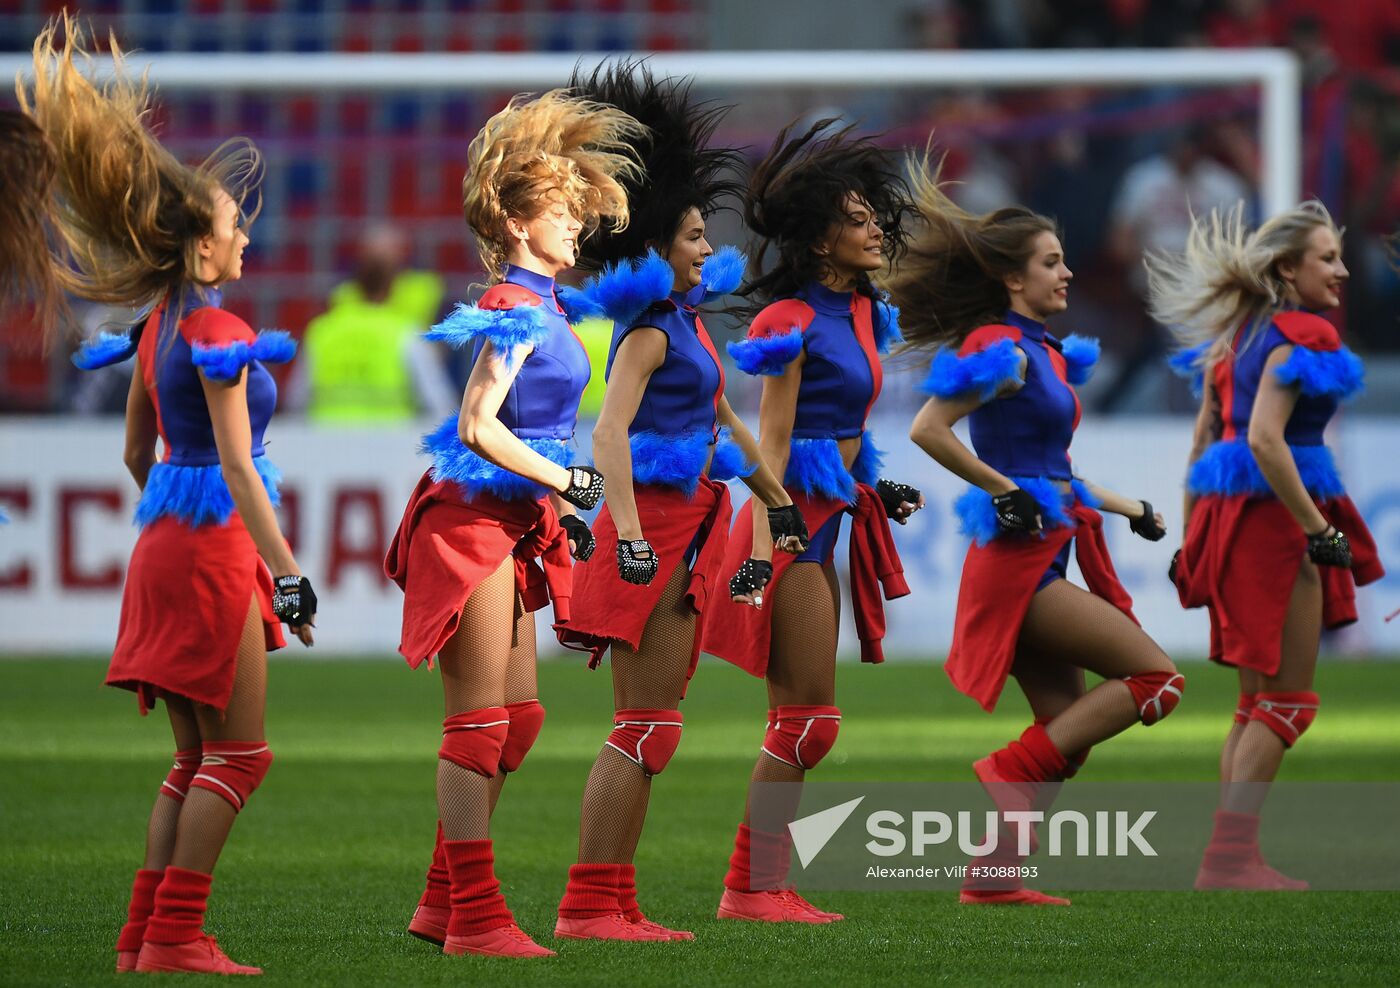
point(667, 439)
point(486, 536)
point(979, 290)
point(831, 207)
point(1274, 548)
point(211, 576)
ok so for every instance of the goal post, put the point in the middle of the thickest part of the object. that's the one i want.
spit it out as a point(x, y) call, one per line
point(1275, 71)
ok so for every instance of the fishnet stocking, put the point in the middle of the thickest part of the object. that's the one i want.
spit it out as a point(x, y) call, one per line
point(1075, 626)
point(165, 815)
point(206, 818)
point(651, 676)
point(473, 664)
point(802, 658)
point(521, 680)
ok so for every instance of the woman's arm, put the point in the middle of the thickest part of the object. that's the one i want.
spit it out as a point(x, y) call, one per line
point(1134, 510)
point(1273, 405)
point(141, 432)
point(638, 356)
point(1206, 432)
point(482, 432)
point(233, 435)
point(932, 432)
point(777, 411)
point(763, 482)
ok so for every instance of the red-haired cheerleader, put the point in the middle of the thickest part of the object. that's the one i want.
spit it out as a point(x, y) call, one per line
point(482, 543)
point(979, 290)
point(211, 576)
point(1274, 548)
point(831, 207)
point(27, 172)
point(667, 439)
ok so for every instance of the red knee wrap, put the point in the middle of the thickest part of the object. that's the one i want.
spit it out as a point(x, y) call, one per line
point(233, 769)
point(474, 739)
point(1286, 714)
point(647, 737)
point(1156, 694)
point(1245, 710)
point(802, 735)
point(526, 719)
point(177, 781)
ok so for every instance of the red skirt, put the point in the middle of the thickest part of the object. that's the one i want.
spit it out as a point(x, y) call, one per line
point(742, 634)
point(606, 608)
point(1240, 559)
point(186, 598)
point(999, 580)
point(446, 545)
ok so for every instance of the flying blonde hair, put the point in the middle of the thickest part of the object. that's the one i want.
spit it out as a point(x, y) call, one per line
point(129, 214)
point(553, 142)
point(1228, 276)
point(26, 207)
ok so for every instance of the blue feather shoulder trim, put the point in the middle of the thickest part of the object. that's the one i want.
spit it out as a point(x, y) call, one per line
point(505, 329)
point(103, 350)
point(1081, 353)
point(197, 495)
point(885, 322)
point(984, 373)
point(1190, 364)
point(767, 355)
point(577, 304)
point(224, 362)
point(1323, 373)
point(1228, 468)
point(723, 272)
point(623, 291)
point(476, 475)
point(978, 519)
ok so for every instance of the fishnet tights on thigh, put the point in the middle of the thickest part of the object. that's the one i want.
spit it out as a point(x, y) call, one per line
point(474, 664)
point(651, 676)
point(521, 680)
point(206, 818)
point(802, 656)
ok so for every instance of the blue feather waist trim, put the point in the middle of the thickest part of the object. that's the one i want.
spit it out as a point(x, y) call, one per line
point(815, 468)
point(978, 519)
point(476, 475)
point(197, 495)
point(1229, 468)
point(678, 459)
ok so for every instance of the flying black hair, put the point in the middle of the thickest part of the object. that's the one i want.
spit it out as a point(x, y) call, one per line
point(798, 192)
point(681, 170)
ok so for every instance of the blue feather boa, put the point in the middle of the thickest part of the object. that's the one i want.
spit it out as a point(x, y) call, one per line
point(226, 361)
point(103, 350)
point(197, 495)
point(1190, 364)
point(885, 322)
point(767, 355)
point(453, 461)
point(978, 519)
point(985, 372)
point(1229, 468)
point(723, 272)
point(1081, 353)
point(1323, 373)
point(677, 459)
point(815, 467)
point(577, 304)
point(626, 289)
point(505, 329)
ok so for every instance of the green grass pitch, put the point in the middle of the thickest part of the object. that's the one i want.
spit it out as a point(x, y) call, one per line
point(324, 867)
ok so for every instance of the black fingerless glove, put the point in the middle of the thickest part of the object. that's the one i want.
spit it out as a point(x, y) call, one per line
point(1147, 526)
point(1330, 550)
point(786, 522)
point(753, 575)
point(585, 488)
point(637, 561)
point(293, 601)
point(1017, 511)
point(580, 534)
point(892, 495)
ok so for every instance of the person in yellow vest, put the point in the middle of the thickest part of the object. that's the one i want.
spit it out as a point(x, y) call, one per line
point(364, 360)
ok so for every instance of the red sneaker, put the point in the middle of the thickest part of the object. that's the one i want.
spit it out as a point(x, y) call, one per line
point(613, 926)
point(1008, 897)
point(772, 906)
point(503, 941)
point(201, 956)
point(637, 919)
point(126, 961)
point(1252, 876)
point(821, 914)
point(430, 923)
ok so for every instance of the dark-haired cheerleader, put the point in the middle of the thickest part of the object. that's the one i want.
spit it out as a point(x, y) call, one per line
point(832, 208)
